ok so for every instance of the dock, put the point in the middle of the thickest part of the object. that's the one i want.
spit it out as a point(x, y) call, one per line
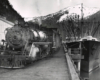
point(57, 66)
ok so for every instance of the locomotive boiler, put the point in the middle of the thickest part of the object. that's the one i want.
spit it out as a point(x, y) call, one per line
point(24, 45)
point(18, 36)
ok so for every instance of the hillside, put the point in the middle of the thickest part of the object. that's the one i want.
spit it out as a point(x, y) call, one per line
point(73, 12)
point(7, 11)
point(68, 20)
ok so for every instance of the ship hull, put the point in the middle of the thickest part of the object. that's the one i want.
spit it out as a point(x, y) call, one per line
point(91, 52)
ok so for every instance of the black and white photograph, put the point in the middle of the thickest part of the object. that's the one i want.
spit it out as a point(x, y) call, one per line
point(49, 40)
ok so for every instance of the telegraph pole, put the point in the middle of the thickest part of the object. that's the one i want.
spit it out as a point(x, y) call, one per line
point(81, 20)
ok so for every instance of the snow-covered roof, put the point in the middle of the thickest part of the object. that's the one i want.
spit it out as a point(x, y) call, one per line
point(3, 19)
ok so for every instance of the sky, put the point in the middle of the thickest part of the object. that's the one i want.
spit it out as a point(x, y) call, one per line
point(35, 8)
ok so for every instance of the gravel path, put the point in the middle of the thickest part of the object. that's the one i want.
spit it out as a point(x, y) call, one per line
point(51, 68)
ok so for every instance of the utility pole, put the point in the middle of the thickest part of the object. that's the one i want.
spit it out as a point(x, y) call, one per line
point(81, 20)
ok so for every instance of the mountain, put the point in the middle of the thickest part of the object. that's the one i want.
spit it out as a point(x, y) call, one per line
point(95, 17)
point(77, 10)
point(68, 20)
point(69, 12)
point(65, 14)
point(7, 11)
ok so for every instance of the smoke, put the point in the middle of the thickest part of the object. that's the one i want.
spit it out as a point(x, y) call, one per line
point(70, 0)
point(58, 2)
point(37, 7)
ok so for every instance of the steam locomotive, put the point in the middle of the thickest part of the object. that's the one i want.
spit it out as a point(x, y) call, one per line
point(24, 44)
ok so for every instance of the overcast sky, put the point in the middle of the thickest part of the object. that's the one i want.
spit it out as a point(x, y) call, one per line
point(33, 8)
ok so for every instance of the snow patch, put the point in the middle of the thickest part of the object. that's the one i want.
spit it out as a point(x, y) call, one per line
point(63, 17)
point(77, 10)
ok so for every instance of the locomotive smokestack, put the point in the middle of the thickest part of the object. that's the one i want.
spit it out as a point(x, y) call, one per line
point(21, 21)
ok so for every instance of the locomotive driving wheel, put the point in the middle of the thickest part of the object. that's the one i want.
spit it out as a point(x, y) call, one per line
point(46, 51)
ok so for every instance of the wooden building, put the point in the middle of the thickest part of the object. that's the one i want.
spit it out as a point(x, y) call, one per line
point(3, 25)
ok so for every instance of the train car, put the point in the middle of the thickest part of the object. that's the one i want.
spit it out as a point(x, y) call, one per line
point(23, 45)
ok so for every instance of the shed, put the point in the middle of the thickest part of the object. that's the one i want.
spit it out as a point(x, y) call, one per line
point(3, 25)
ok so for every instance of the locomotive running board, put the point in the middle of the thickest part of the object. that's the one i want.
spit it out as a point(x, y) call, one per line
point(42, 43)
point(11, 67)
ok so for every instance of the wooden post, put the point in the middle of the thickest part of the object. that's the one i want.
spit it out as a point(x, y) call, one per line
point(72, 71)
point(79, 63)
point(69, 51)
point(53, 39)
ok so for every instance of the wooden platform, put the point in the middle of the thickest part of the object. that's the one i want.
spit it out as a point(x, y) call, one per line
point(74, 75)
point(53, 67)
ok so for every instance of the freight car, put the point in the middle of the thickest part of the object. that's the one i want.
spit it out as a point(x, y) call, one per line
point(23, 45)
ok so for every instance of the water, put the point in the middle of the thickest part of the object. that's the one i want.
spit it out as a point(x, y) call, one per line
point(93, 75)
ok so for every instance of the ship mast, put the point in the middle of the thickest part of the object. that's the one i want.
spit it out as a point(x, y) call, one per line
point(81, 20)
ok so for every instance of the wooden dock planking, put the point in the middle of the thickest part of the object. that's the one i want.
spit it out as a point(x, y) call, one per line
point(73, 73)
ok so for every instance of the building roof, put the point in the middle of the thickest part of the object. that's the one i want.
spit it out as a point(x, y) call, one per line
point(3, 19)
